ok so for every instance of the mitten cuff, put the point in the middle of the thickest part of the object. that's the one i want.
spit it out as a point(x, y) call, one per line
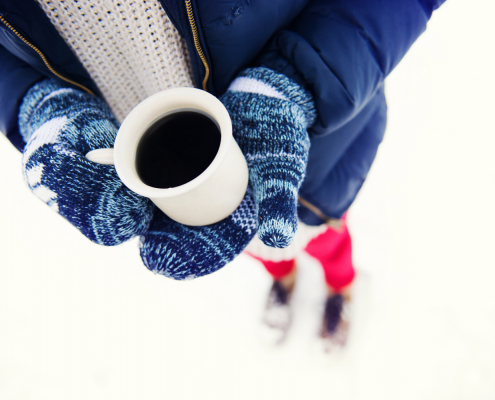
point(48, 100)
point(267, 82)
point(31, 100)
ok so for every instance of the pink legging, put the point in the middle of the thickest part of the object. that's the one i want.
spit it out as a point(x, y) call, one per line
point(332, 249)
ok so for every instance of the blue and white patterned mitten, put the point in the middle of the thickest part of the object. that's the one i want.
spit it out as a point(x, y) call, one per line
point(270, 115)
point(60, 126)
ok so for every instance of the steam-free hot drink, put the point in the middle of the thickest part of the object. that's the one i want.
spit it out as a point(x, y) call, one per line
point(176, 149)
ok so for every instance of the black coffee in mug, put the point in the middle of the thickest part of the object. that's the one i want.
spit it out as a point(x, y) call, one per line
point(176, 149)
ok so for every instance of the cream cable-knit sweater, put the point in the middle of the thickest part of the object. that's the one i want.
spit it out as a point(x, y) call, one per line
point(131, 50)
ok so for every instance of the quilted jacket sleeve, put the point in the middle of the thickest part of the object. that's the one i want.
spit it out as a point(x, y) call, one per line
point(342, 50)
point(17, 78)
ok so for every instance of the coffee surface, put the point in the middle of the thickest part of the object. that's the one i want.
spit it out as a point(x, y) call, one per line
point(176, 149)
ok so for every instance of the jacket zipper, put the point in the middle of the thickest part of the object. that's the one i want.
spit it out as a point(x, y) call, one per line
point(43, 58)
point(332, 222)
point(197, 44)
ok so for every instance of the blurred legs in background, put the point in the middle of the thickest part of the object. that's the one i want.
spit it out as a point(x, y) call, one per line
point(331, 247)
point(333, 250)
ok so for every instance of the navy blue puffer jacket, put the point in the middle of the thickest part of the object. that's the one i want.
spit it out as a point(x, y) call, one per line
point(340, 50)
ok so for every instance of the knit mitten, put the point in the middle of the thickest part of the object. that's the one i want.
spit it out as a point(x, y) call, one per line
point(185, 252)
point(270, 115)
point(60, 126)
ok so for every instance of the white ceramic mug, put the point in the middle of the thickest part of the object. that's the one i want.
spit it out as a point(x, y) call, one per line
point(210, 197)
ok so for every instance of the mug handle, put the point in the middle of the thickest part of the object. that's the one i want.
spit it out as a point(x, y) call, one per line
point(101, 156)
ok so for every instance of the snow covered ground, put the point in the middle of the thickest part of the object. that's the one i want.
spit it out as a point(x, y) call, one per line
point(79, 321)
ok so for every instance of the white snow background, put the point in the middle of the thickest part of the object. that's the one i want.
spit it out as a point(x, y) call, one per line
point(81, 321)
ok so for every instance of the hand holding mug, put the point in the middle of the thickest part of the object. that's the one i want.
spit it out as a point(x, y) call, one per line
point(60, 126)
point(270, 116)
